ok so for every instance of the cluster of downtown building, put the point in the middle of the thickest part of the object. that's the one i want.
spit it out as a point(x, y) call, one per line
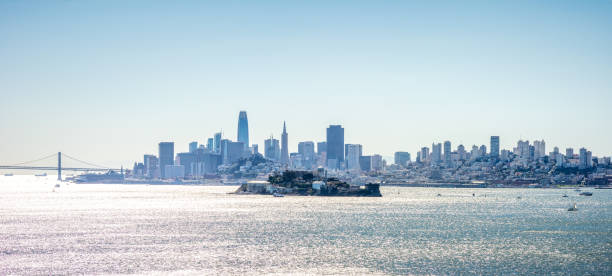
point(224, 156)
point(526, 163)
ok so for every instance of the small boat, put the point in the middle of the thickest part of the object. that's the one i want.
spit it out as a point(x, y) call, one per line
point(8, 174)
point(564, 195)
point(278, 195)
point(439, 195)
point(577, 190)
point(573, 208)
point(586, 194)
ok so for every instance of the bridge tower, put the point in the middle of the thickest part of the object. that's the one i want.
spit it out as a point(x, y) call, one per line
point(59, 166)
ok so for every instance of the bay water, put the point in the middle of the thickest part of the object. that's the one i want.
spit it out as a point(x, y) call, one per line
point(185, 230)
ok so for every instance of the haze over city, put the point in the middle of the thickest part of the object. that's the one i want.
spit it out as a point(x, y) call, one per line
point(107, 81)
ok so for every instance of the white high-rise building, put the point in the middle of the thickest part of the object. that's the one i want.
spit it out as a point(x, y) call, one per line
point(447, 153)
point(540, 149)
point(436, 153)
point(352, 157)
point(523, 149)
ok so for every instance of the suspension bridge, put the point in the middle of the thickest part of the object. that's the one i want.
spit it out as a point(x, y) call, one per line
point(59, 168)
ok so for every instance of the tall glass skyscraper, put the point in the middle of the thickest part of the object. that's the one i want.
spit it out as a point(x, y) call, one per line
point(494, 146)
point(166, 156)
point(217, 140)
point(335, 143)
point(447, 152)
point(243, 129)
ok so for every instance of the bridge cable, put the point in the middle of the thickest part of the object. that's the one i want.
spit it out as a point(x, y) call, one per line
point(36, 160)
point(85, 162)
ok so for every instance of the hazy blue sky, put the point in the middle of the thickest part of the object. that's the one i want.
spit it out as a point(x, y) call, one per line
point(108, 80)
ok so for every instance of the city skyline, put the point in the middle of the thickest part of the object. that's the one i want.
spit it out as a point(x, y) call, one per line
point(526, 164)
point(440, 153)
point(116, 77)
point(389, 157)
point(312, 137)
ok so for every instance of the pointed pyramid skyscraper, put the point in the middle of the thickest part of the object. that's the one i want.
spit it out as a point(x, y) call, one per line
point(284, 146)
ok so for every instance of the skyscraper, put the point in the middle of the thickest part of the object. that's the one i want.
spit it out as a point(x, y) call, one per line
point(243, 129)
point(589, 159)
point(187, 160)
point(193, 146)
point(583, 159)
point(494, 147)
point(402, 158)
point(554, 153)
point(217, 142)
point(321, 147)
point(235, 151)
point(424, 154)
point(335, 144)
point(151, 165)
point(483, 150)
point(540, 148)
point(271, 149)
point(166, 156)
point(352, 157)
point(447, 152)
point(306, 150)
point(365, 163)
point(461, 153)
point(523, 149)
point(321, 154)
point(284, 146)
point(474, 153)
point(346, 146)
point(224, 150)
point(436, 153)
point(377, 162)
point(210, 144)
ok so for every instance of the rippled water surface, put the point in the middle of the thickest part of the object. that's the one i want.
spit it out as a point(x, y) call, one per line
point(150, 229)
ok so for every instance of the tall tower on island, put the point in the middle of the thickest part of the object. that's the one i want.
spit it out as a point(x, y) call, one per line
point(284, 146)
point(243, 129)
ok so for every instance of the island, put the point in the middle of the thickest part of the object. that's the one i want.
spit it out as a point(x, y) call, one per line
point(306, 183)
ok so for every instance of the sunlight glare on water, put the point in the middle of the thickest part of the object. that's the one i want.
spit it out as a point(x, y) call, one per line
point(155, 229)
